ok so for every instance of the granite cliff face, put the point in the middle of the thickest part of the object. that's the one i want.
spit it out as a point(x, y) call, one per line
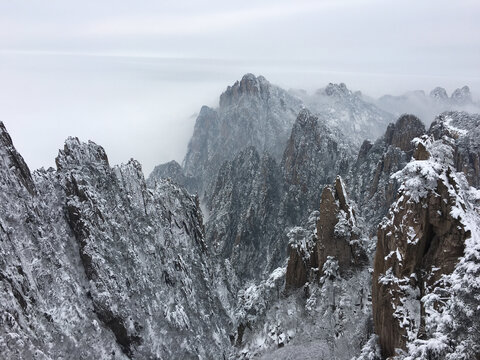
point(427, 240)
point(373, 189)
point(315, 154)
point(464, 130)
point(97, 265)
point(339, 237)
point(174, 172)
point(243, 214)
point(336, 242)
point(252, 112)
point(254, 200)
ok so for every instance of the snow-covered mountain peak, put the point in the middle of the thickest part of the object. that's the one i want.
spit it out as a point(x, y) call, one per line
point(462, 96)
point(248, 86)
point(439, 94)
point(304, 117)
point(252, 112)
point(16, 164)
point(77, 153)
point(405, 128)
point(338, 90)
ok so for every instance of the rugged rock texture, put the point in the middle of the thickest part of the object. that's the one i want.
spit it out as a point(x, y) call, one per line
point(337, 239)
point(302, 266)
point(314, 156)
point(174, 172)
point(338, 236)
point(252, 112)
point(419, 244)
point(17, 165)
point(357, 118)
point(464, 130)
point(253, 201)
point(327, 317)
point(94, 265)
point(243, 224)
point(373, 189)
point(45, 310)
point(400, 134)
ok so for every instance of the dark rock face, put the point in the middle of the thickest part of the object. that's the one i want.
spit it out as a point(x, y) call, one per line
point(337, 239)
point(202, 154)
point(45, 310)
point(370, 179)
point(303, 259)
point(314, 156)
point(253, 200)
point(337, 230)
point(439, 242)
point(298, 268)
point(401, 134)
point(422, 240)
point(99, 266)
point(11, 156)
point(243, 221)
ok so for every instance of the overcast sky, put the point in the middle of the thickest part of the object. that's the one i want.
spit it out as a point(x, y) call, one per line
point(130, 75)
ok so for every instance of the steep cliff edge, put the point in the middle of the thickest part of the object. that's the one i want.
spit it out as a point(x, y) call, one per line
point(251, 113)
point(95, 265)
point(370, 181)
point(244, 225)
point(315, 154)
point(325, 311)
point(254, 201)
point(337, 241)
point(427, 240)
point(464, 130)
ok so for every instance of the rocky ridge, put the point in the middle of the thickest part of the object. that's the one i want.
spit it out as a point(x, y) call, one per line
point(336, 243)
point(252, 112)
point(254, 200)
point(373, 188)
point(430, 233)
point(97, 265)
point(357, 118)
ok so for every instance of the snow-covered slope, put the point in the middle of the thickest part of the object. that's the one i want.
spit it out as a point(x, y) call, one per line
point(348, 111)
point(254, 200)
point(425, 283)
point(370, 181)
point(95, 265)
point(252, 112)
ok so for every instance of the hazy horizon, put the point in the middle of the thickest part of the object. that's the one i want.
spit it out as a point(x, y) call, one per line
point(132, 78)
